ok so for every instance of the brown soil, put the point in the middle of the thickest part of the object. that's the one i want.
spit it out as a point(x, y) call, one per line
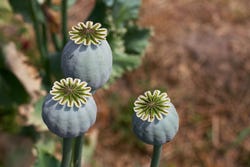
point(200, 55)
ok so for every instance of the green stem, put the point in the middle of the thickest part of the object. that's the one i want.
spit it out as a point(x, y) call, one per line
point(156, 156)
point(37, 29)
point(78, 152)
point(45, 39)
point(64, 21)
point(41, 40)
point(56, 41)
point(46, 62)
point(67, 151)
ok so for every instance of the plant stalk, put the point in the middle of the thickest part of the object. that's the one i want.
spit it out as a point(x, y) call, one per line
point(77, 160)
point(37, 28)
point(64, 21)
point(55, 41)
point(41, 41)
point(156, 155)
point(67, 152)
point(45, 39)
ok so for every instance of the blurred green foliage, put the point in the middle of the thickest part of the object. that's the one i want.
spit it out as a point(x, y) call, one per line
point(46, 159)
point(9, 86)
point(127, 40)
point(45, 148)
point(243, 134)
point(12, 94)
point(23, 8)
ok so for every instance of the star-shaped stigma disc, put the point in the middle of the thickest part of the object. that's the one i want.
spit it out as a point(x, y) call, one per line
point(88, 33)
point(70, 92)
point(152, 105)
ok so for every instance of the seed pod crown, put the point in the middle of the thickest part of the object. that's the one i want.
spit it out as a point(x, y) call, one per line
point(88, 33)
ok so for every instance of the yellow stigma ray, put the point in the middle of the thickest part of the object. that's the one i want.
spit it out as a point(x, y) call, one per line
point(70, 92)
point(88, 33)
point(151, 106)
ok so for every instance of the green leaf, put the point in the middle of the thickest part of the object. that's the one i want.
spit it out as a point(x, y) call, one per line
point(136, 40)
point(45, 159)
point(127, 62)
point(117, 44)
point(23, 7)
point(11, 89)
point(120, 11)
point(124, 10)
point(46, 143)
point(126, 39)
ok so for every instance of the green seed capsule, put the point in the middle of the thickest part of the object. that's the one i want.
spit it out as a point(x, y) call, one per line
point(69, 110)
point(155, 120)
point(87, 55)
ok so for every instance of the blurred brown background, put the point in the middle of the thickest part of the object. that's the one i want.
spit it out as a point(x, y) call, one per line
point(200, 53)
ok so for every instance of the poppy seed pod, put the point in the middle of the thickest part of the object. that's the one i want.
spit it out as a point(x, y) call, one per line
point(155, 120)
point(69, 110)
point(87, 55)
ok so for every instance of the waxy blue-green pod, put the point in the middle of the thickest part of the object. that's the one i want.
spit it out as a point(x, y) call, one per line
point(155, 120)
point(87, 55)
point(69, 110)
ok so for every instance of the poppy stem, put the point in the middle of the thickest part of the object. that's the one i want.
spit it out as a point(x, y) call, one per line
point(64, 12)
point(156, 155)
point(67, 151)
point(77, 160)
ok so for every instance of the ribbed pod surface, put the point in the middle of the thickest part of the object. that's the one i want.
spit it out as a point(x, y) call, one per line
point(66, 121)
point(157, 132)
point(92, 63)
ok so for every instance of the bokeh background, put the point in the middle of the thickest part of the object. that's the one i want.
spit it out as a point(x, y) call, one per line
point(198, 52)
